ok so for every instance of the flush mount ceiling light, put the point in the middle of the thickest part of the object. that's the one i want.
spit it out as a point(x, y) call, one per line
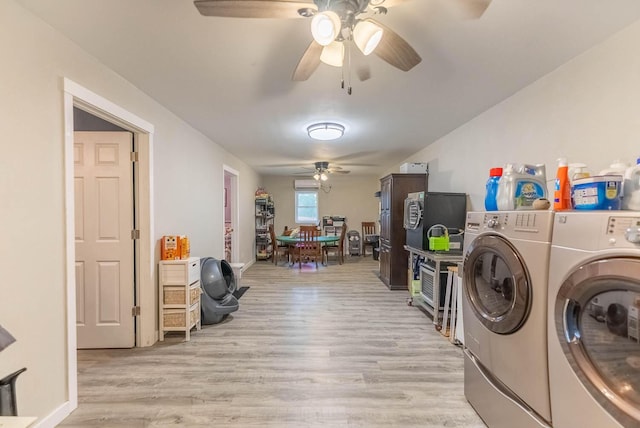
point(325, 131)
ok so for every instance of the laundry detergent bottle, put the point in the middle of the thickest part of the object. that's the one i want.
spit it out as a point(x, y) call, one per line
point(562, 190)
point(631, 188)
point(616, 168)
point(520, 185)
point(490, 200)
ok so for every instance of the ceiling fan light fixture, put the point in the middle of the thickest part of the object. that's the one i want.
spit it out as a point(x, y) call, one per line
point(325, 27)
point(333, 54)
point(325, 131)
point(367, 36)
point(316, 176)
point(324, 177)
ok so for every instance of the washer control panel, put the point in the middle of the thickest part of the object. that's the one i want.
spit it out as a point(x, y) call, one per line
point(597, 230)
point(536, 225)
point(627, 228)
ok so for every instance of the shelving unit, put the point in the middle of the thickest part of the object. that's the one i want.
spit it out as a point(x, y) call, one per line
point(179, 296)
point(433, 279)
point(265, 215)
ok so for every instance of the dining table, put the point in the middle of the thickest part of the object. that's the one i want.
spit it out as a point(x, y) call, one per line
point(323, 239)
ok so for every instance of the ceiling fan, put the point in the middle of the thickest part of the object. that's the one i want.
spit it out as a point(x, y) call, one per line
point(334, 24)
point(322, 169)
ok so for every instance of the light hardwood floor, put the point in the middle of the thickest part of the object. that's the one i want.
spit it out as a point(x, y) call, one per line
point(331, 347)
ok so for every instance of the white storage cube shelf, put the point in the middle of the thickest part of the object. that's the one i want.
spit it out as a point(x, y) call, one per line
point(179, 296)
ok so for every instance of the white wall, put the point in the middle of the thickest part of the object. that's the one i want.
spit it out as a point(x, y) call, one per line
point(350, 196)
point(587, 110)
point(188, 193)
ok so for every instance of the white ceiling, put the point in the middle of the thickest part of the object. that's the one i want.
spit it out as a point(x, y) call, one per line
point(230, 78)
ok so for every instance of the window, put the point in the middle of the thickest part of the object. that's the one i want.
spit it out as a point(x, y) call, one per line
point(306, 207)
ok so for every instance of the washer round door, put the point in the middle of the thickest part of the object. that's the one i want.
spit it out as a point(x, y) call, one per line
point(497, 284)
point(596, 319)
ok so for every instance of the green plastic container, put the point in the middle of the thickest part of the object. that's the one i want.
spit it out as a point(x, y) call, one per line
point(438, 236)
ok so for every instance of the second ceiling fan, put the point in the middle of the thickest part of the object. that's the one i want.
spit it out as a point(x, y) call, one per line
point(336, 25)
point(322, 169)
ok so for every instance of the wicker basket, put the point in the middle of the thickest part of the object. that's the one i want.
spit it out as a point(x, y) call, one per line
point(194, 315)
point(174, 318)
point(175, 296)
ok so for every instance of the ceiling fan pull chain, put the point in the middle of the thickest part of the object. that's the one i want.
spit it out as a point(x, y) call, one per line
point(349, 64)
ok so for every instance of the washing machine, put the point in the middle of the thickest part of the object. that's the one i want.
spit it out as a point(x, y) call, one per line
point(594, 300)
point(505, 274)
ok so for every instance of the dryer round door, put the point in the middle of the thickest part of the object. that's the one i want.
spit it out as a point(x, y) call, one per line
point(597, 322)
point(497, 284)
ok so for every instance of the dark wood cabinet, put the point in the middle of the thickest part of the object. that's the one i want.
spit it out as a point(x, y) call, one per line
point(393, 257)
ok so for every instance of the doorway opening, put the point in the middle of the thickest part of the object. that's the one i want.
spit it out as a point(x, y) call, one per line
point(231, 220)
point(76, 96)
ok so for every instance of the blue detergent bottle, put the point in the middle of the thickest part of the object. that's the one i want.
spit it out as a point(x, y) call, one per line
point(490, 201)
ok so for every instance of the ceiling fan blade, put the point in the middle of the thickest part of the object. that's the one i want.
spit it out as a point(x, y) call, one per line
point(308, 63)
point(342, 171)
point(471, 9)
point(395, 50)
point(255, 8)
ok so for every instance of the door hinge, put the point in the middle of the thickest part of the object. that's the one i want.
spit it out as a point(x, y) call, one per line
point(135, 311)
point(134, 156)
point(135, 234)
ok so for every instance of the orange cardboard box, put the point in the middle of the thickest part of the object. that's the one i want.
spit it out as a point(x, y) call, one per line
point(185, 247)
point(170, 247)
point(174, 247)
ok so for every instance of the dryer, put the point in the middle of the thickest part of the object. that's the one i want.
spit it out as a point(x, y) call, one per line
point(505, 275)
point(594, 296)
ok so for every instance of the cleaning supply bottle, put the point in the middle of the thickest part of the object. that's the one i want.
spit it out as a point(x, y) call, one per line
point(577, 171)
point(520, 185)
point(616, 168)
point(562, 191)
point(631, 188)
point(490, 202)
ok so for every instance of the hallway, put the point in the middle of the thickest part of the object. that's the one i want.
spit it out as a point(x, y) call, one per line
point(331, 347)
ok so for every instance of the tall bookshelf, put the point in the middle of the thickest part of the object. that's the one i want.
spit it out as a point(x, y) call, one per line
point(265, 215)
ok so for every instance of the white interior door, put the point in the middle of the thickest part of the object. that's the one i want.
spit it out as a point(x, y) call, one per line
point(104, 247)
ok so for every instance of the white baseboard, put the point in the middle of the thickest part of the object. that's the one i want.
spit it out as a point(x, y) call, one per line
point(54, 418)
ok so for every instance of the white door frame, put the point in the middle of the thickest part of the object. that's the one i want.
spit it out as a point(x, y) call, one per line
point(146, 332)
point(235, 215)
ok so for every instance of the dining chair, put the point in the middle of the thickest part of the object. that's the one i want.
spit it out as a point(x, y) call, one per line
point(308, 227)
point(337, 248)
point(369, 237)
point(277, 248)
point(309, 248)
